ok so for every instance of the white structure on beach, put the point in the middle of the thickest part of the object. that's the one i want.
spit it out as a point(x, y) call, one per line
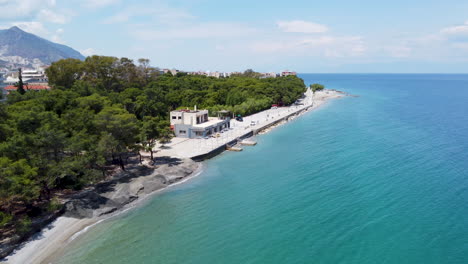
point(196, 123)
point(183, 147)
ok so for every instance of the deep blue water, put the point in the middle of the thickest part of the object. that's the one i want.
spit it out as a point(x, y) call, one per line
point(379, 178)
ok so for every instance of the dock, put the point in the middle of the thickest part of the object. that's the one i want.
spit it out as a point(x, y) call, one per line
point(248, 143)
point(237, 149)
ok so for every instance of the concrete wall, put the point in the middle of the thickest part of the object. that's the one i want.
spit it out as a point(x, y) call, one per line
point(186, 128)
point(188, 118)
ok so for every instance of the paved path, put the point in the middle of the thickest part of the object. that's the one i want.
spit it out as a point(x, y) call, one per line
point(188, 148)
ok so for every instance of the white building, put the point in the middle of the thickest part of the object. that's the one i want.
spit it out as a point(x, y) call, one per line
point(33, 77)
point(268, 75)
point(196, 123)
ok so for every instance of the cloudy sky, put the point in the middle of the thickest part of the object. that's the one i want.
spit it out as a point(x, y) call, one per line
point(363, 36)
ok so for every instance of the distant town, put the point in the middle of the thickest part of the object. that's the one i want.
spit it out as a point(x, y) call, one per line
point(36, 79)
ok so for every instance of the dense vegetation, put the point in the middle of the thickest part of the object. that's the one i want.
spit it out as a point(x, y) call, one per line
point(98, 113)
point(317, 87)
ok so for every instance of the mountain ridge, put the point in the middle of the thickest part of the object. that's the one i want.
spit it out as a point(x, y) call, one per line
point(20, 48)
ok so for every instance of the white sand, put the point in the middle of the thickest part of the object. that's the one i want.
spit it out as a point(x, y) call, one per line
point(49, 241)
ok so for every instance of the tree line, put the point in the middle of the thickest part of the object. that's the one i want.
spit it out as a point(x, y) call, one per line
point(99, 112)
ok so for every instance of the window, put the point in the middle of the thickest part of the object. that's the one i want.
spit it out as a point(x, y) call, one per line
point(180, 117)
point(183, 132)
point(174, 117)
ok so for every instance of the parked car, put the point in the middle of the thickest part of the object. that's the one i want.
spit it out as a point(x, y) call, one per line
point(240, 119)
point(252, 123)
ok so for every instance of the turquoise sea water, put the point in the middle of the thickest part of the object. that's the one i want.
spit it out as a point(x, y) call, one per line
point(381, 178)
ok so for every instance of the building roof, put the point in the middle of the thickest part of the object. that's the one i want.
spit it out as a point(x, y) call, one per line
point(28, 87)
point(208, 123)
point(189, 111)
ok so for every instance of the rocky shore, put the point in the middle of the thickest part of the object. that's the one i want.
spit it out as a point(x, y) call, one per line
point(96, 203)
point(135, 183)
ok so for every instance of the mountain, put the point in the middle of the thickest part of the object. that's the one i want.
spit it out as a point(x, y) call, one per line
point(21, 48)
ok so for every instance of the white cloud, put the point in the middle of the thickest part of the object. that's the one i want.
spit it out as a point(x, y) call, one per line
point(88, 52)
point(34, 10)
point(299, 26)
point(51, 16)
point(57, 37)
point(34, 27)
point(23, 8)
point(456, 30)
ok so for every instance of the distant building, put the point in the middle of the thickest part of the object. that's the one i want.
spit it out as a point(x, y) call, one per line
point(32, 77)
point(172, 71)
point(236, 73)
point(268, 75)
point(27, 87)
point(215, 74)
point(288, 73)
point(196, 123)
point(198, 73)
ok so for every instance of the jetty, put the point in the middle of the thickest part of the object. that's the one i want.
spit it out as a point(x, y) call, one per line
point(248, 143)
point(237, 149)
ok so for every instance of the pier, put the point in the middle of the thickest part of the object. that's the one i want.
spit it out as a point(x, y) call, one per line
point(248, 143)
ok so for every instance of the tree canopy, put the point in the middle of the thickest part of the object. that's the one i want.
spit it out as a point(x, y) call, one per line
point(101, 111)
point(316, 87)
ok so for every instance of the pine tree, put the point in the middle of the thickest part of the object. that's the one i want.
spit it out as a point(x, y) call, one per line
point(20, 83)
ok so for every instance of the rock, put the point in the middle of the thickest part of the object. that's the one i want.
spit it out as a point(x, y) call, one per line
point(110, 196)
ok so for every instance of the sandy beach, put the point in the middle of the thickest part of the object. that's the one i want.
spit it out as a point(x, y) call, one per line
point(101, 202)
point(46, 245)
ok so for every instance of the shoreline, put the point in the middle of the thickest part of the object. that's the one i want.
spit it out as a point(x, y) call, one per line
point(199, 149)
point(320, 104)
point(48, 244)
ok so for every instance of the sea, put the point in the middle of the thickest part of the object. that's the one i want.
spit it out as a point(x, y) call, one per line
point(381, 177)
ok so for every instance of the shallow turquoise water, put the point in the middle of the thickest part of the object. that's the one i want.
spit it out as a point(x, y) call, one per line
point(381, 178)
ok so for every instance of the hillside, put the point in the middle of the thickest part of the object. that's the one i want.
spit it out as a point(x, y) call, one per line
point(21, 48)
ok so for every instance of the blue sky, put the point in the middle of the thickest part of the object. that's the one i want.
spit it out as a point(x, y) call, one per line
point(306, 36)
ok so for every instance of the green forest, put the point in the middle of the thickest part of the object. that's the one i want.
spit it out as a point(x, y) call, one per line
point(98, 113)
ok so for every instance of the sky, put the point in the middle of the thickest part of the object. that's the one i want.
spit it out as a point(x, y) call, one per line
point(307, 36)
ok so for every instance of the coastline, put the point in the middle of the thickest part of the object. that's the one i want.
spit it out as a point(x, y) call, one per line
point(126, 193)
point(200, 149)
point(48, 244)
